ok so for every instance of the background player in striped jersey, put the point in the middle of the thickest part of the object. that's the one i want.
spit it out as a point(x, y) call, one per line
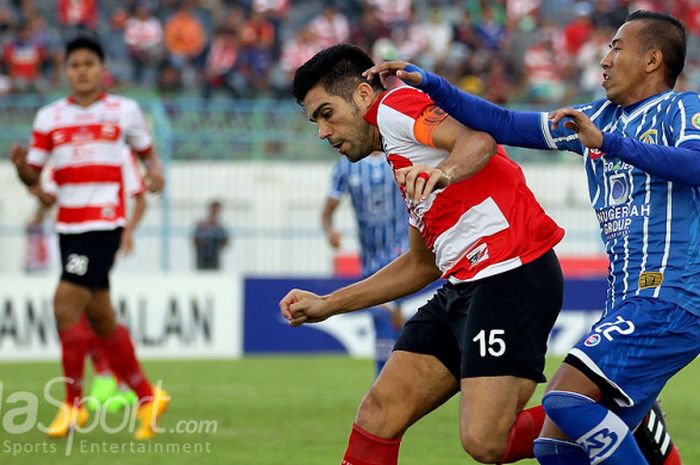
point(641, 149)
point(484, 333)
point(86, 136)
point(382, 226)
point(107, 389)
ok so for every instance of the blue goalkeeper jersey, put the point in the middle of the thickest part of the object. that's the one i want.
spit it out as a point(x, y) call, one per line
point(650, 225)
point(382, 219)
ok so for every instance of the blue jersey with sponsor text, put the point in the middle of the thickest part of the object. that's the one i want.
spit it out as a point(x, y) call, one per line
point(650, 226)
point(382, 219)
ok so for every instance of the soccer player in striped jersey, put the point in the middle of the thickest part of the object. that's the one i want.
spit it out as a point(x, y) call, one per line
point(86, 136)
point(641, 152)
point(484, 333)
point(382, 227)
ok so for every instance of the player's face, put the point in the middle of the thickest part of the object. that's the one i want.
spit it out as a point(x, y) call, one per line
point(341, 123)
point(84, 71)
point(624, 65)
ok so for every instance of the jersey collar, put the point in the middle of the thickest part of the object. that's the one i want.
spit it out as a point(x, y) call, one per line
point(371, 115)
point(102, 96)
point(629, 109)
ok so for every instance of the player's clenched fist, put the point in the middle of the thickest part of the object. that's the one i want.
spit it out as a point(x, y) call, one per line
point(300, 307)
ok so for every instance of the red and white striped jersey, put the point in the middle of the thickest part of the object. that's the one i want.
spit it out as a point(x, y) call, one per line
point(479, 227)
point(133, 179)
point(87, 147)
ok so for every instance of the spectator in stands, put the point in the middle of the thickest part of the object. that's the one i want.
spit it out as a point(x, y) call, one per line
point(331, 26)
point(77, 16)
point(220, 64)
point(577, 32)
point(365, 32)
point(545, 69)
point(143, 35)
point(299, 50)
point(489, 32)
point(23, 58)
point(608, 14)
point(210, 238)
point(438, 34)
point(276, 12)
point(393, 13)
point(185, 38)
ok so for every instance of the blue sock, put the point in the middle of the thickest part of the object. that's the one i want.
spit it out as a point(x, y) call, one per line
point(557, 452)
point(602, 434)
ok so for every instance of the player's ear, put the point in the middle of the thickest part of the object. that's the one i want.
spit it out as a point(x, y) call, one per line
point(364, 95)
point(655, 58)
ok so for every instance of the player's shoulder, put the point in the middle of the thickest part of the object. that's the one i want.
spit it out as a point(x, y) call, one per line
point(120, 102)
point(406, 100)
point(53, 107)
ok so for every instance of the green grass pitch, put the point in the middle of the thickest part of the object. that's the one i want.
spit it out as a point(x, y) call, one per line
point(268, 411)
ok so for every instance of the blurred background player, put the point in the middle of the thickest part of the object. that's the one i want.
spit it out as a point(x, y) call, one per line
point(210, 238)
point(107, 389)
point(86, 135)
point(382, 227)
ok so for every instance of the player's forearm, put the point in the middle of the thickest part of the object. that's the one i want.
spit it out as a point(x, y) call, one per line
point(28, 175)
point(468, 156)
point(676, 164)
point(137, 212)
point(402, 277)
point(521, 129)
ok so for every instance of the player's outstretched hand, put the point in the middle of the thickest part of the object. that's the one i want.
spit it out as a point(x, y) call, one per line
point(420, 180)
point(412, 76)
point(588, 133)
point(299, 307)
point(18, 155)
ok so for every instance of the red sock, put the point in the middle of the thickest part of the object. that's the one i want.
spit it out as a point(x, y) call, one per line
point(122, 359)
point(674, 458)
point(74, 347)
point(366, 449)
point(526, 428)
point(99, 359)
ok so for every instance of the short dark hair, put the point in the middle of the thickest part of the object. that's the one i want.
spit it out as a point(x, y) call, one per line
point(338, 69)
point(85, 42)
point(666, 33)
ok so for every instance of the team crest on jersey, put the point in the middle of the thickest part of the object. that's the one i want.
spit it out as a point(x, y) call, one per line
point(592, 340)
point(478, 255)
point(651, 136)
point(650, 279)
point(695, 120)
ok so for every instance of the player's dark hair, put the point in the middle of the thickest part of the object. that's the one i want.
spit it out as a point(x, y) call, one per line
point(338, 69)
point(666, 33)
point(85, 42)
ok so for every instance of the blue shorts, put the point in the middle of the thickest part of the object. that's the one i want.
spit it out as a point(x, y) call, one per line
point(634, 350)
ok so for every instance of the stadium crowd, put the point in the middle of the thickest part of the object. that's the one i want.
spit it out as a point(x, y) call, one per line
point(504, 49)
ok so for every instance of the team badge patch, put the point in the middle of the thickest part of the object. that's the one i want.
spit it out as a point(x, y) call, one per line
point(592, 340)
point(696, 120)
point(650, 137)
point(650, 279)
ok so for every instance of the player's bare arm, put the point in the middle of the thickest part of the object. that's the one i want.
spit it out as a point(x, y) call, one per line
point(332, 234)
point(588, 133)
point(395, 68)
point(469, 152)
point(407, 274)
point(155, 179)
point(18, 156)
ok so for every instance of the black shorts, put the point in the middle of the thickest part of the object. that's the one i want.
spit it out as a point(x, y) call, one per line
point(496, 326)
point(87, 258)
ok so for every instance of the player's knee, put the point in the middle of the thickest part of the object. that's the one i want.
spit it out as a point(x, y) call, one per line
point(482, 446)
point(378, 415)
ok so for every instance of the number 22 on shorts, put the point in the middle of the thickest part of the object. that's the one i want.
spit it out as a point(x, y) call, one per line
point(495, 346)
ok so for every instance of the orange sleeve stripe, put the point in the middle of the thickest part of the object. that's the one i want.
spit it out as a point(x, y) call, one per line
point(426, 123)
